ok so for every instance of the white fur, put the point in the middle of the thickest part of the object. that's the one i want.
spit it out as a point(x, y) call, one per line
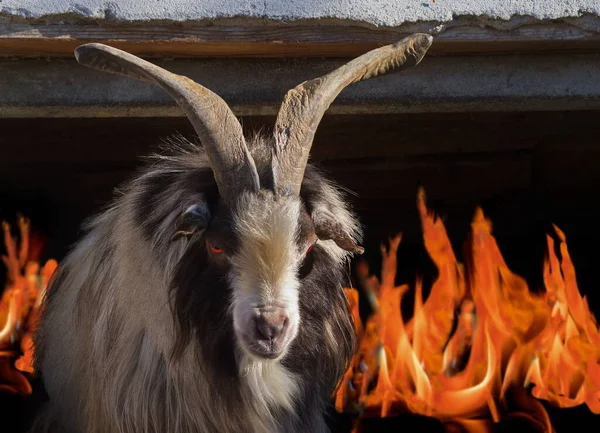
point(263, 272)
point(270, 383)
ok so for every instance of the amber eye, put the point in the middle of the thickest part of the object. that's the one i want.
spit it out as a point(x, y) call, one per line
point(216, 249)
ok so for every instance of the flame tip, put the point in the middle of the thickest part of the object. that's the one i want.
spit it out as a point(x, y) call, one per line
point(559, 233)
point(478, 214)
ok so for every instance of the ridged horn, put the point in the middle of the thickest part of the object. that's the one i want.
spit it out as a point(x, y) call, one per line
point(217, 127)
point(304, 106)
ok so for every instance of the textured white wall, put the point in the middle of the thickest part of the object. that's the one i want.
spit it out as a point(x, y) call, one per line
point(374, 12)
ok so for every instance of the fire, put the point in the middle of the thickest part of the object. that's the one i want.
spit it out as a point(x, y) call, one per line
point(479, 335)
point(19, 306)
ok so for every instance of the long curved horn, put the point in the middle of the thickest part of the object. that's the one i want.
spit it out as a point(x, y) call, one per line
point(216, 125)
point(304, 106)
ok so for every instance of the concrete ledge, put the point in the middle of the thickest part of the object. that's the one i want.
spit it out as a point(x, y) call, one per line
point(63, 88)
point(380, 13)
point(288, 28)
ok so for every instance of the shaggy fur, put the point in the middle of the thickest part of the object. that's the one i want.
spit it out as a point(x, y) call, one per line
point(138, 331)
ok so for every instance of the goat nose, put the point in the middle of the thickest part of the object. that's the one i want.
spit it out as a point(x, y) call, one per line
point(270, 327)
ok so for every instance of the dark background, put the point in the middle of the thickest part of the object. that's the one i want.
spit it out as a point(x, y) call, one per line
point(527, 171)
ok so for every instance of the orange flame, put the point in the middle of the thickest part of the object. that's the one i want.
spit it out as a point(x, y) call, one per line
point(477, 336)
point(19, 306)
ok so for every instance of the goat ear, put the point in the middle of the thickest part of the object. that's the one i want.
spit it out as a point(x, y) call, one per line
point(194, 219)
point(328, 228)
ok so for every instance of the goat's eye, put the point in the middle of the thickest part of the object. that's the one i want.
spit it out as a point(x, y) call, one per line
point(308, 251)
point(215, 249)
point(307, 263)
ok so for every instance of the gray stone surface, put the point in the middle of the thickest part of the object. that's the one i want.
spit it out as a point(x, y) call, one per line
point(370, 12)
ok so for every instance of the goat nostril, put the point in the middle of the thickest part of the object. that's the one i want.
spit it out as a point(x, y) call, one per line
point(270, 329)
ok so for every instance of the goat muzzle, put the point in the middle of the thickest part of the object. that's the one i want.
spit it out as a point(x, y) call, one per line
point(268, 334)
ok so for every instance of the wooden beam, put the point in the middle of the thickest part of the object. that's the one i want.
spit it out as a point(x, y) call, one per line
point(63, 88)
point(280, 40)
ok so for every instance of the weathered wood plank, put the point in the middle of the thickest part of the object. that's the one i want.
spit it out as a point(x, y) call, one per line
point(63, 88)
point(281, 40)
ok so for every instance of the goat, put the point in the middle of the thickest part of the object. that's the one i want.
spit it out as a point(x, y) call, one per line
point(208, 296)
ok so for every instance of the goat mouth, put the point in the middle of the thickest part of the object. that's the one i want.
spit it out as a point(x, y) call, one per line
point(263, 349)
point(270, 354)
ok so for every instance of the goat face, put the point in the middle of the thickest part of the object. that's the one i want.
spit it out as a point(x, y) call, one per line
point(259, 249)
